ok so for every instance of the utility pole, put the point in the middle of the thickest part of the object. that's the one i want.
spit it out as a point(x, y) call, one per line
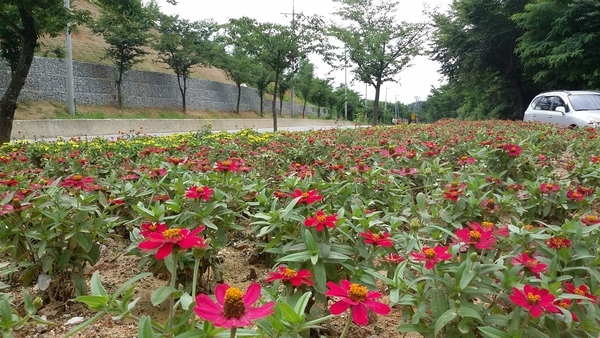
point(69, 67)
point(294, 60)
point(345, 85)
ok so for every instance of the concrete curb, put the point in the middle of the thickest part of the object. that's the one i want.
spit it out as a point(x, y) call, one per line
point(36, 129)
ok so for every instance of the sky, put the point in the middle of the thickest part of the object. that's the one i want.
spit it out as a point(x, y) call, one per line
point(413, 82)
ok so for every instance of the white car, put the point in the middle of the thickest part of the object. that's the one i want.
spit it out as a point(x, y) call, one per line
point(566, 108)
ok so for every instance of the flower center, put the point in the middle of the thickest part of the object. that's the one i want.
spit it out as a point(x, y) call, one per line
point(533, 299)
point(289, 273)
point(531, 263)
point(321, 218)
point(234, 305)
point(77, 177)
point(200, 190)
point(376, 237)
point(474, 235)
point(226, 163)
point(578, 291)
point(592, 218)
point(429, 253)
point(464, 158)
point(549, 186)
point(454, 184)
point(152, 227)
point(563, 304)
point(487, 224)
point(174, 233)
point(357, 293)
point(491, 203)
point(575, 194)
point(304, 195)
point(513, 149)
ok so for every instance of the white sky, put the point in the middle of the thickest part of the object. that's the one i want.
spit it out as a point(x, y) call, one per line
point(414, 81)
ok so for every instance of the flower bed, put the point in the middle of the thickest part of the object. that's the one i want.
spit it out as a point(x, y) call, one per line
point(482, 229)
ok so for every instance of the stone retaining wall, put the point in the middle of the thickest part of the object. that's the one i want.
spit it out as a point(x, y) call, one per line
point(94, 84)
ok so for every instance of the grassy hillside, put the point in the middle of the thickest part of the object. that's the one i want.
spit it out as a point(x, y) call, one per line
point(88, 47)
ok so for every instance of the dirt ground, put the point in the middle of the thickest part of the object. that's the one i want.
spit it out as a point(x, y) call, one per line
point(115, 267)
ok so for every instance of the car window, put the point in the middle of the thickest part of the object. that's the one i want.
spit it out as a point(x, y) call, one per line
point(557, 101)
point(585, 101)
point(543, 104)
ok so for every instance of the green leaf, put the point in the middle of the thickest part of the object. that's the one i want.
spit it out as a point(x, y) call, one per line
point(289, 314)
point(6, 313)
point(300, 305)
point(94, 302)
point(320, 276)
point(444, 319)
point(467, 311)
point(161, 294)
point(96, 287)
point(145, 328)
point(439, 301)
point(186, 300)
point(490, 332)
point(84, 241)
point(28, 304)
point(296, 257)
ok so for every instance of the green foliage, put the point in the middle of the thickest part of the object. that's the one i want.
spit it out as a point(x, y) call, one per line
point(182, 44)
point(126, 31)
point(375, 44)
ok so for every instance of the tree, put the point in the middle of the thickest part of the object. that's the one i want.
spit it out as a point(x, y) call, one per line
point(321, 93)
point(263, 80)
point(475, 43)
point(377, 45)
point(284, 85)
point(304, 81)
point(22, 22)
point(183, 44)
point(126, 30)
point(560, 42)
point(239, 68)
point(276, 46)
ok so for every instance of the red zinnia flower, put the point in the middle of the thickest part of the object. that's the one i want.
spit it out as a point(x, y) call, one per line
point(78, 181)
point(566, 304)
point(530, 263)
point(320, 221)
point(452, 195)
point(307, 197)
point(498, 231)
point(196, 192)
point(233, 307)
point(534, 299)
point(393, 258)
point(157, 172)
point(165, 241)
point(148, 228)
point(513, 150)
point(466, 160)
point(558, 242)
point(490, 205)
point(547, 188)
point(432, 256)
point(6, 209)
point(585, 190)
point(380, 239)
point(406, 171)
point(590, 219)
point(296, 278)
point(232, 165)
point(575, 195)
point(358, 299)
point(581, 290)
point(475, 235)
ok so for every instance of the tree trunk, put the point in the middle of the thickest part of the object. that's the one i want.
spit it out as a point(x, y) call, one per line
point(273, 106)
point(119, 91)
point(303, 108)
point(8, 103)
point(376, 104)
point(237, 106)
point(280, 106)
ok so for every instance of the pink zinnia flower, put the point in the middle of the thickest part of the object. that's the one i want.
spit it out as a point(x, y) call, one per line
point(296, 278)
point(78, 181)
point(490, 205)
point(432, 256)
point(166, 241)
point(475, 235)
point(321, 220)
point(233, 307)
point(575, 195)
point(547, 188)
point(534, 299)
point(358, 299)
point(581, 290)
point(466, 160)
point(196, 192)
point(307, 197)
point(532, 264)
point(406, 171)
point(232, 165)
point(590, 220)
point(452, 195)
point(6, 209)
point(380, 239)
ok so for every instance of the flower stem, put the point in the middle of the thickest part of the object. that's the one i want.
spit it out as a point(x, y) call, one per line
point(232, 332)
point(347, 326)
point(172, 284)
point(195, 277)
